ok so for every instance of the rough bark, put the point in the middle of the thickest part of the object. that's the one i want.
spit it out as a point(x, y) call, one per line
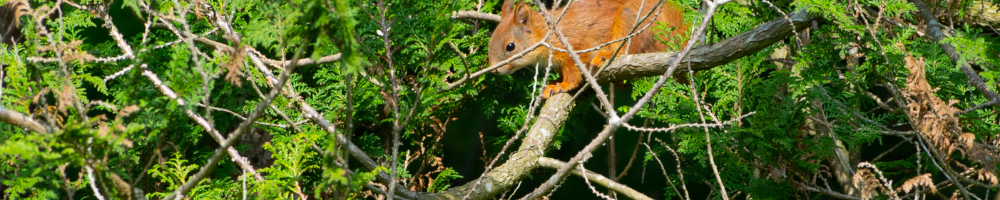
point(21, 120)
point(524, 160)
point(707, 56)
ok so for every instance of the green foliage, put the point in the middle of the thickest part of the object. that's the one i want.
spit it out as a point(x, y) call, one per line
point(174, 173)
point(292, 158)
point(441, 182)
point(812, 96)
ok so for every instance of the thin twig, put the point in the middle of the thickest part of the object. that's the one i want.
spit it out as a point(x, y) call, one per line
point(679, 172)
point(675, 127)
point(465, 14)
point(826, 191)
point(552, 163)
point(635, 153)
point(708, 138)
point(672, 186)
point(476, 74)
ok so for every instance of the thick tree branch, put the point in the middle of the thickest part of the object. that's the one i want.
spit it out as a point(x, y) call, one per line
point(24, 121)
point(524, 160)
point(594, 177)
point(707, 56)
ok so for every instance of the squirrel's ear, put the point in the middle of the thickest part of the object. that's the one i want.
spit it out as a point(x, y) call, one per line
point(508, 6)
point(522, 13)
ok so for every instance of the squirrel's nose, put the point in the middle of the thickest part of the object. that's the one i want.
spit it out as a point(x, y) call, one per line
point(498, 70)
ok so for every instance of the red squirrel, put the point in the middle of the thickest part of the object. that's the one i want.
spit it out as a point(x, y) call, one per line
point(586, 24)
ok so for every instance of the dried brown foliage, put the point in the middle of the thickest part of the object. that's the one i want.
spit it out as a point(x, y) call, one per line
point(986, 176)
point(967, 139)
point(984, 154)
point(69, 52)
point(932, 117)
point(235, 67)
point(922, 180)
point(105, 130)
point(937, 121)
point(868, 180)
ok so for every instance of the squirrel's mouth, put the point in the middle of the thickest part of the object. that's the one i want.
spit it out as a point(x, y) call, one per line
point(503, 70)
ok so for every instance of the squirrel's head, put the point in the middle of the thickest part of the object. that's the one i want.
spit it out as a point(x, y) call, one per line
point(518, 29)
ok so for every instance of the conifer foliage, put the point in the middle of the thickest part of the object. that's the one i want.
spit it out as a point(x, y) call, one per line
point(393, 99)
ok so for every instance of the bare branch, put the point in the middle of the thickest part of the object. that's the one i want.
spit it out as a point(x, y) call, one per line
point(672, 186)
point(825, 191)
point(93, 182)
point(465, 14)
point(707, 56)
point(24, 121)
point(552, 163)
point(675, 127)
point(679, 172)
point(280, 64)
point(635, 153)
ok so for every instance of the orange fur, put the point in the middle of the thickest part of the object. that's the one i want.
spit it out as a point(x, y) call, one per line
point(586, 24)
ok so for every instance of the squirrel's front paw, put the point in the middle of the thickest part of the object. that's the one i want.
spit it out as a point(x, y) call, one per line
point(600, 58)
point(552, 90)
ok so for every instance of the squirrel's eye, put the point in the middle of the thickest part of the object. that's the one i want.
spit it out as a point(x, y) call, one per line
point(510, 46)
